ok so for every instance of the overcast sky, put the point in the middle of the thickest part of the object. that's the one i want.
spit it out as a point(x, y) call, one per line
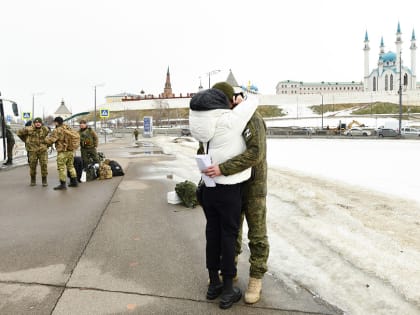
point(60, 49)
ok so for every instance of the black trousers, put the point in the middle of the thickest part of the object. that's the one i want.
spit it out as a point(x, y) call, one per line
point(222, 208)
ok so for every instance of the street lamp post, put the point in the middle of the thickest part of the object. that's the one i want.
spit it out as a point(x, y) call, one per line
point(211, 73)
point(94, 109)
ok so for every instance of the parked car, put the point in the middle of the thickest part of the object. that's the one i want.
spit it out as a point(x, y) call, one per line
point(410, 131)
point(107, 131)
point(185, 132)
point(385, 132)
point(357, 131)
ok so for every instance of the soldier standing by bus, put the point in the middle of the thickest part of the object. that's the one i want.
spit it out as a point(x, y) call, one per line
point(10, 144)
point(34, 138)
point(88, 144)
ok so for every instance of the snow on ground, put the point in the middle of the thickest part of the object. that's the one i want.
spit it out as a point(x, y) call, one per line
point(343, 219)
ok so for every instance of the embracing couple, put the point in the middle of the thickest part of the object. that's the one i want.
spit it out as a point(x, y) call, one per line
point(233, 134)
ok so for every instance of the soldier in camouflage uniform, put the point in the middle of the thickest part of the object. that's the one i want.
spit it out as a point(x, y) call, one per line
point(254, 199)
point(34, 138)
point(88, 144)
point(65, 158)
point(10, 144)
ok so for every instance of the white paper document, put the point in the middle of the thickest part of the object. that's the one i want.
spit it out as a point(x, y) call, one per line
point(204, 161)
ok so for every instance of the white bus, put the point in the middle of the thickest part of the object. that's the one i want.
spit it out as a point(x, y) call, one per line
point(3, 106)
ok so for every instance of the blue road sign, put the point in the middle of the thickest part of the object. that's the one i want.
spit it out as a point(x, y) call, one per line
point(104, 113)
point(26, 115)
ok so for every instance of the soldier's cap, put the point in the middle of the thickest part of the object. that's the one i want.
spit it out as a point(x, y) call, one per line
point(58, 120)
point(226, 88)
point(38, 119)
point(82, 122)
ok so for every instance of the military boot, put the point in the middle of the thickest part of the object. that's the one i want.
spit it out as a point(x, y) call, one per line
point(33, 180)
point(73, 182)
point(253, 293)
point(44, 181)
point(62, 185)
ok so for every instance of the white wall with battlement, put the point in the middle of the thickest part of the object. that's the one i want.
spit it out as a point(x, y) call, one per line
point(409, 98)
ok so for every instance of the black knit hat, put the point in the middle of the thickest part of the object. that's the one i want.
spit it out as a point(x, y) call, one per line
point(58, 120)
point(226, 88)
point(208, 100)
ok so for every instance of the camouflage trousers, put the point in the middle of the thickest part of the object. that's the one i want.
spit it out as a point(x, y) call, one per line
point(89, 156)
point(254, 210)
point(33, 158)
point(10, 151)
point(65, 161)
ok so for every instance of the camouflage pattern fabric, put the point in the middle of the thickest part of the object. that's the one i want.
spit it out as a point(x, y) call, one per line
point(34, 138)
point(254, 210)
point(10, 143)
point(57, 137)
point(88, 138)
point(254, 193)
point(9, 136)
point(186, 191)
point(89, 156)
point(42, 157)
point(101, 156)
point(65, 160)
point(105, 171)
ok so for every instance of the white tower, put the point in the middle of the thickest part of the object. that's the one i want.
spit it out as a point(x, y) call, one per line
point(382, 47)
point(398, 44)
point(366, 72)
point(413, 48)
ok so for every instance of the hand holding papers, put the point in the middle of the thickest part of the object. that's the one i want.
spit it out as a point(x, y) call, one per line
point(204, 161)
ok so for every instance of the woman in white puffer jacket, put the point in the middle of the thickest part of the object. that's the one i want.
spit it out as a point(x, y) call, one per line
point(219, 128)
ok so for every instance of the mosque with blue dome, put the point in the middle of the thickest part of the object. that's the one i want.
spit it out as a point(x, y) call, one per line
point(386, 77)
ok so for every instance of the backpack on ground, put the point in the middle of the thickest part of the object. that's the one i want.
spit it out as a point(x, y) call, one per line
point(186, 191)
point(101, 156)
point(71, 139)
point(92, 172)
point(105, 171)
point(116, 168)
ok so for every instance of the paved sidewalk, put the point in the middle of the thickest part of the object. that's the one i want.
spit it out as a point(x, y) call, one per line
point(116, 247)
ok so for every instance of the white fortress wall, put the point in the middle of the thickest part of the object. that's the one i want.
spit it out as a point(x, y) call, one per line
point(285, 101)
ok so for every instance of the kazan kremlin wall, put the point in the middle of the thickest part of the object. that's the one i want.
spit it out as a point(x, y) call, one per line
point(411, 98)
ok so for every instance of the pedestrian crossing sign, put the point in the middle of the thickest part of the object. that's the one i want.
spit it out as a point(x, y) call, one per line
point(26, 115)
point(104, 113)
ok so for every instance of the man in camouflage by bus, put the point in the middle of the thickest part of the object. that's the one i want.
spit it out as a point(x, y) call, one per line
point(10, 144)
point(254, 198)
point(34, 138)
point(65, 157)
point(88, 144)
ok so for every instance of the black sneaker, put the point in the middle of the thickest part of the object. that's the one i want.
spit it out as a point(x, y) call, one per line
point(214, 291)
point(228, 298)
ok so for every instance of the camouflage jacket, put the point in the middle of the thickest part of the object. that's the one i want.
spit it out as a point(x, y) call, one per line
point(254, 156)
point(57, 137)
point(34, 138)
point(88, 138)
